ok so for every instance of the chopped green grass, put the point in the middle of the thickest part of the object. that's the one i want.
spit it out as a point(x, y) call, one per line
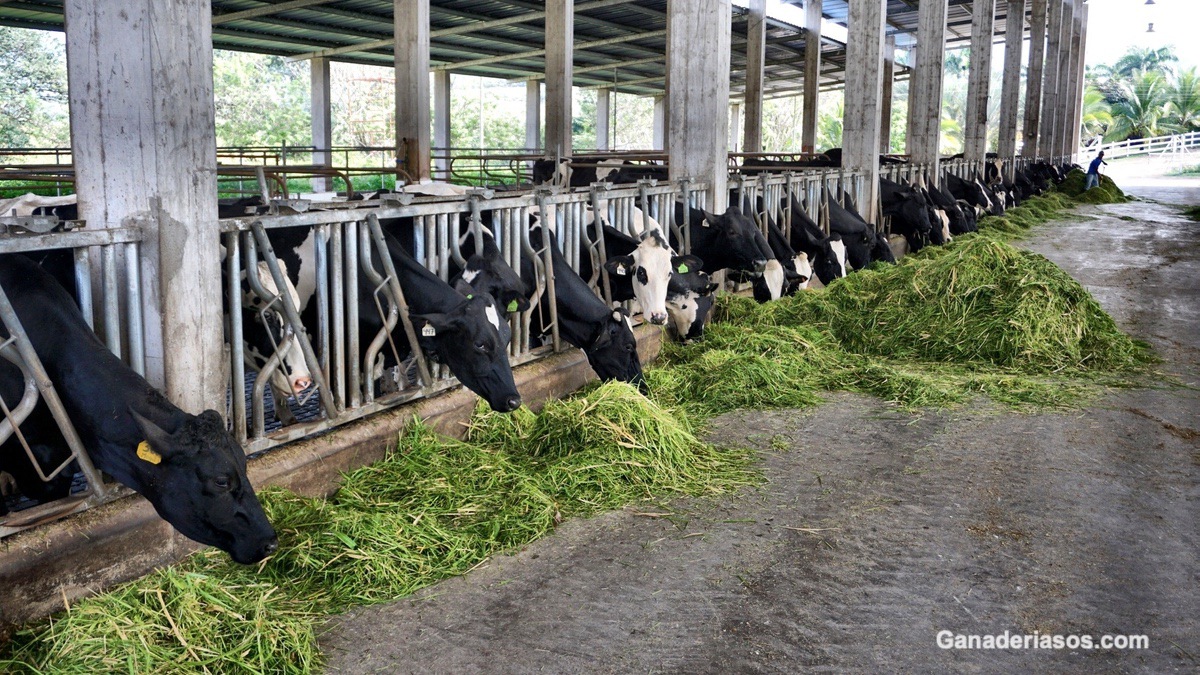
point(1192, 212)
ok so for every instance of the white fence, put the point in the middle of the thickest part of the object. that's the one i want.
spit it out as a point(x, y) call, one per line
point(1177, 144)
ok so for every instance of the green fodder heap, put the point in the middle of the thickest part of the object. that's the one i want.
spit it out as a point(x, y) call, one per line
point(977, 316)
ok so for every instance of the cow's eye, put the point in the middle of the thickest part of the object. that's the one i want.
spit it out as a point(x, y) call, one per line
point(221, 482)
point(484, 347)
point(642, 277)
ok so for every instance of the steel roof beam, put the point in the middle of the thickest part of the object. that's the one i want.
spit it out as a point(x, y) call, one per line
point(265, 10)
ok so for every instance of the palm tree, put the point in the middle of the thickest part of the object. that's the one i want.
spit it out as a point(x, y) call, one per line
point(1097, 116)
point(1145, 59)
point(1183, 105)
point(1140, 108)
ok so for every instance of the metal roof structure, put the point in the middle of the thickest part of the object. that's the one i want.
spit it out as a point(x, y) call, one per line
point(619, 43)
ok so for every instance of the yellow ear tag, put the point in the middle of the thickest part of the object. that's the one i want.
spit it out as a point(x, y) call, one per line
point(144, 452)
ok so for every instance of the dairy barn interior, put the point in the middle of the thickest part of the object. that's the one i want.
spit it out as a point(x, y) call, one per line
point(155, 263)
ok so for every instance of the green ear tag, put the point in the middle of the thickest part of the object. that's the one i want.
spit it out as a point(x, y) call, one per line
point(512, 307)
point(682, 269)
point(470, 295)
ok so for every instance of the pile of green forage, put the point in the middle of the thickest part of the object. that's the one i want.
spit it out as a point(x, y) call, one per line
point(436, 507)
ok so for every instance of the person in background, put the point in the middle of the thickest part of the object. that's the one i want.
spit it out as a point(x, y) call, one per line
point(1093, 174)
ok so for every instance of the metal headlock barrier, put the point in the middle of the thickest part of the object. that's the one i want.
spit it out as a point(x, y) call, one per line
point(809, 187)
point(106, 265)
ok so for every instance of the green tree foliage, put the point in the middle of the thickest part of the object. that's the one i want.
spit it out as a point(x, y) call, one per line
point(1183, 103)
point(1141, 106)
point(486, 112)
point(33, 79)
point(1097, 114)
point(260, 100)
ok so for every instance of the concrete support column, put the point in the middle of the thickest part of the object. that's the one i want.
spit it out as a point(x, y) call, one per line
point(1010, 92)
point(975, 134)
point(698, 43)
point(735, 117)
point(885, 100)
point(441, 120)
point(1079, 81)
point(412, 85)
point(756, 48)
point(533, 115)
point(1033, 81)
point(864, 84)
point(322, 123)
point(145, 152)
point(1054, 17)
point(603, 116)
point(812, 75)
point(659, 133)
point(560, 48)
point(1063, 102)
point(925, 85)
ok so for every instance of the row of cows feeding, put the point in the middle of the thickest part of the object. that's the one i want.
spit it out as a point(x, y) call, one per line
point(194, 473)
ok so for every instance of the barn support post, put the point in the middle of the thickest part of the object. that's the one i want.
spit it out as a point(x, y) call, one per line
point(659, 137)
point(412, 85)
point(924, 131)
point(812, 75)
point(698, 45)
point(1054, 18)
point(603, 115)
point(533, 115)
point(979, 79)
point(1010, 92)
point(560, 48)
point(756, 48)
point(1033, 82)
point(322, 122)
point(735, 118)
point(1080, 61)
point(885, 100)
point(864, 85)
point(1063, 102)
point(142, 137)
point(441, 121)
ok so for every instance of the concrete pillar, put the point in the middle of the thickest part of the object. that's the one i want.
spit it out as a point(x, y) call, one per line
point(145, 153)
point(1079, 81)
point(1063, 102)
point(698, 43)
point(885, 100)
point(659, 135)
point(756, 48)
point(735, 118)
point(533, 115)
point(1072, 85)
point(1010, 92)
point(560, 48)
point(1054, 17)
point(441, 121)
point(925, 85)
point(1033, 81)
point(864, 84)
point(322, 123)
point(975, 135)
point(603, 116)
point(412, 85)
point(812, 75)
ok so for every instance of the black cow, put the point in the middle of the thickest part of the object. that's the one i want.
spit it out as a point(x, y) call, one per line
point(961, 221)
point(187, 466)
point(584, 321)
point(909, 211)
point(974, 193)
point(808, 238)
point(862, 244)
point(487, 272)
point(727, 241)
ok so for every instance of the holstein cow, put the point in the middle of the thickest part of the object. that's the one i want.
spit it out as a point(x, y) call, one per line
point(909, 211)
point(689, 302)
point(584, 321)
point(187, 466)
point(487, 272)
point(726, 241)
point(583, 171)
point(640, 268)
point(863, 245)
point(825, 254)
point(975, 194)
point(265, 330)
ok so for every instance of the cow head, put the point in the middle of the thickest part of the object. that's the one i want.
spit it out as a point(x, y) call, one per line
point(909, 210)
point(547, 171)
point(739, 240)
point(267, 331)
point(472, 340)
point(194, 474)
point(612, 352)
point(650, 267)
point(487, 272)
point(804, 270)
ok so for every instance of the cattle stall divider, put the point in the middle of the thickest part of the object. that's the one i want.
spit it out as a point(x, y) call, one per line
point(114, 280)
point(811, 187)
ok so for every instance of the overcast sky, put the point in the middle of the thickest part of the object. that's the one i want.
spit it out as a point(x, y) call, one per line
point(1116, 25)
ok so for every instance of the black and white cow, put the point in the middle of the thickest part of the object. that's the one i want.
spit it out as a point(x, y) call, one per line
point(583, 171)
point(266, 330)
point(639, 268)
point(909, 211)
point(487, 272)
point(863, 244)
point(975, 194)
point(690, 302)
point(726, 241)
point(826, 255)
point(187, 466)
point(584, 321)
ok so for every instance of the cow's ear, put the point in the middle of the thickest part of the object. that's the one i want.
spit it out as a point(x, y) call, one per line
point(711, 219)
point(684, 264)
point(463, 287)
point(620, 265)
point(429, 325)
point(709, 289)
point(157, 442)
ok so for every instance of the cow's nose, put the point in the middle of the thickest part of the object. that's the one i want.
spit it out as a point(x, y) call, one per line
point(270, 547)
point(300, 384)
point(760, 266)
point(511, 403)
point(658, 318)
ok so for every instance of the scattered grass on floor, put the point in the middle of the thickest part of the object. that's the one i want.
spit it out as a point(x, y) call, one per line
point(1192, 212)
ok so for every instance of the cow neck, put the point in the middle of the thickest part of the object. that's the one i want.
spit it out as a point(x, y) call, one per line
point(705, 247)
point(580, 312)
point(424, 291)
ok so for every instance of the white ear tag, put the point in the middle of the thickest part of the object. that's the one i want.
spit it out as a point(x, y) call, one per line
point(428, 330)
point(621, 270)
point(146, 453)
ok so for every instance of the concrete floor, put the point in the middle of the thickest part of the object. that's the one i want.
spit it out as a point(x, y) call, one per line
point(878, 528)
